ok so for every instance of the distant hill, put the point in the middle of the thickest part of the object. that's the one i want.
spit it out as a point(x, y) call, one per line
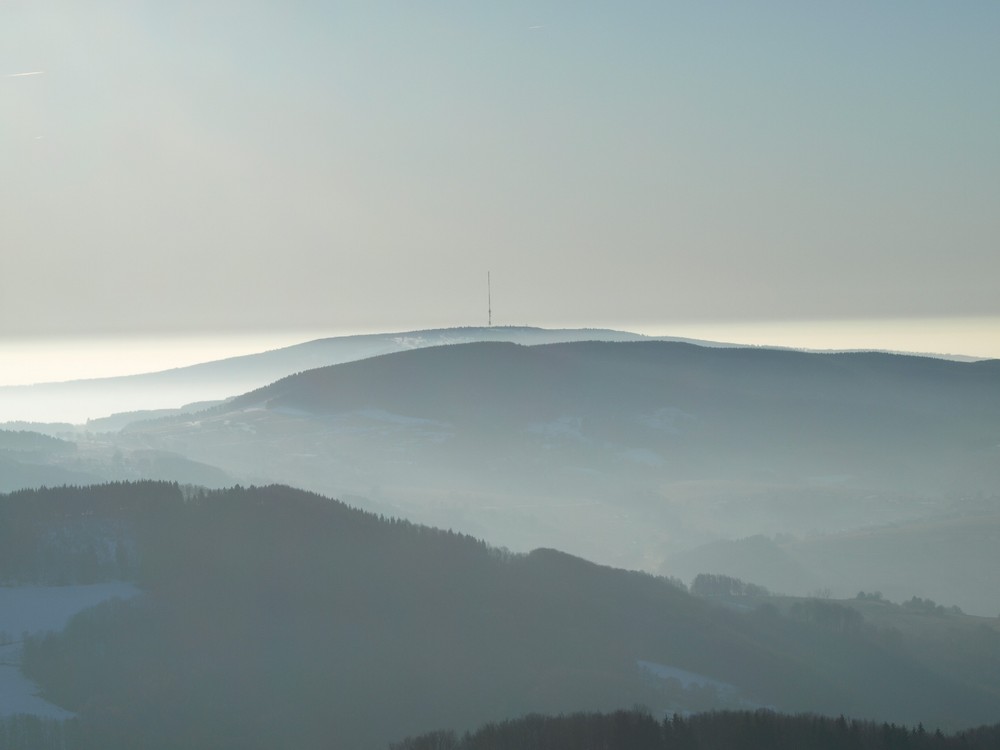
point(81, 400)
point(33, 459)
point(626, 453)
point(94, 399)
point(951, 558)
point(877, 419)
point(275, 617)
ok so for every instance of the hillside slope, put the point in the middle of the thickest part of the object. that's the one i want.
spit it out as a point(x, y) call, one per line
point(626, 453)
point(277, 617)
point(78, 401)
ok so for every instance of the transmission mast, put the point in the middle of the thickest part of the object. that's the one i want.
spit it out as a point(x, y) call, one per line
point(489, 301)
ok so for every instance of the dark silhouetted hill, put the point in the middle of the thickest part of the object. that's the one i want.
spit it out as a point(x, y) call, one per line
point(743, 730)
point(275, 617)
point(78, 401)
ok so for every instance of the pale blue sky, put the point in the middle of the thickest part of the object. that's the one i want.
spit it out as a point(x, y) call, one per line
point(360, 166)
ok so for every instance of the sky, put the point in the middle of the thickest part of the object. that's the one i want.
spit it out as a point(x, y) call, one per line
point(187, 168)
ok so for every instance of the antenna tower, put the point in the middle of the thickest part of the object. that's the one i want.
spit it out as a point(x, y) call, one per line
point(489, 301)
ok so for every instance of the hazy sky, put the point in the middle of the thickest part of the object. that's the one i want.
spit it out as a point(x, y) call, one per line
point(187, 165)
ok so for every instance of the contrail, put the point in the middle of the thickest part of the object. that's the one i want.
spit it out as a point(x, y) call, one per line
point(29, 73)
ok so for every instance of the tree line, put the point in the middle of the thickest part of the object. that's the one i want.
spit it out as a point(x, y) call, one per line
point(718, 730)
point(274, 617)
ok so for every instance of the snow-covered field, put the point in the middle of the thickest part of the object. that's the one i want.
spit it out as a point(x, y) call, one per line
point(33, 609)
point(18, 693)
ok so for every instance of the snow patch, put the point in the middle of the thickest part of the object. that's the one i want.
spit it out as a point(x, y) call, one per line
point(687, 679)
point(34, 609)
point(18, 694)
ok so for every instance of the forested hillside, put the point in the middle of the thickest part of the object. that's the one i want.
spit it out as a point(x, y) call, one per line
point(760, 730)
point(94, 399)
point(275, 617)
point(631, 453)
point(636, 454)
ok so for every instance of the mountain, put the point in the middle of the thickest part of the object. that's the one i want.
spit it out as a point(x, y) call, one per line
point(950, 557)
point(274, 617)
point(56, 407)
point(106, 405)
point(630, 453)
point(626, 453)
point(877, 419)
point(33, 459)
point(80, 400)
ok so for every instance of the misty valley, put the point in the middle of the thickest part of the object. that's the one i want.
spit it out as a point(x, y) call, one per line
point(506, 537)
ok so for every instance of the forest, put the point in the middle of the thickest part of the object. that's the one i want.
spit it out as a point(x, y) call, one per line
point(733, 730)
point(276, 617)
